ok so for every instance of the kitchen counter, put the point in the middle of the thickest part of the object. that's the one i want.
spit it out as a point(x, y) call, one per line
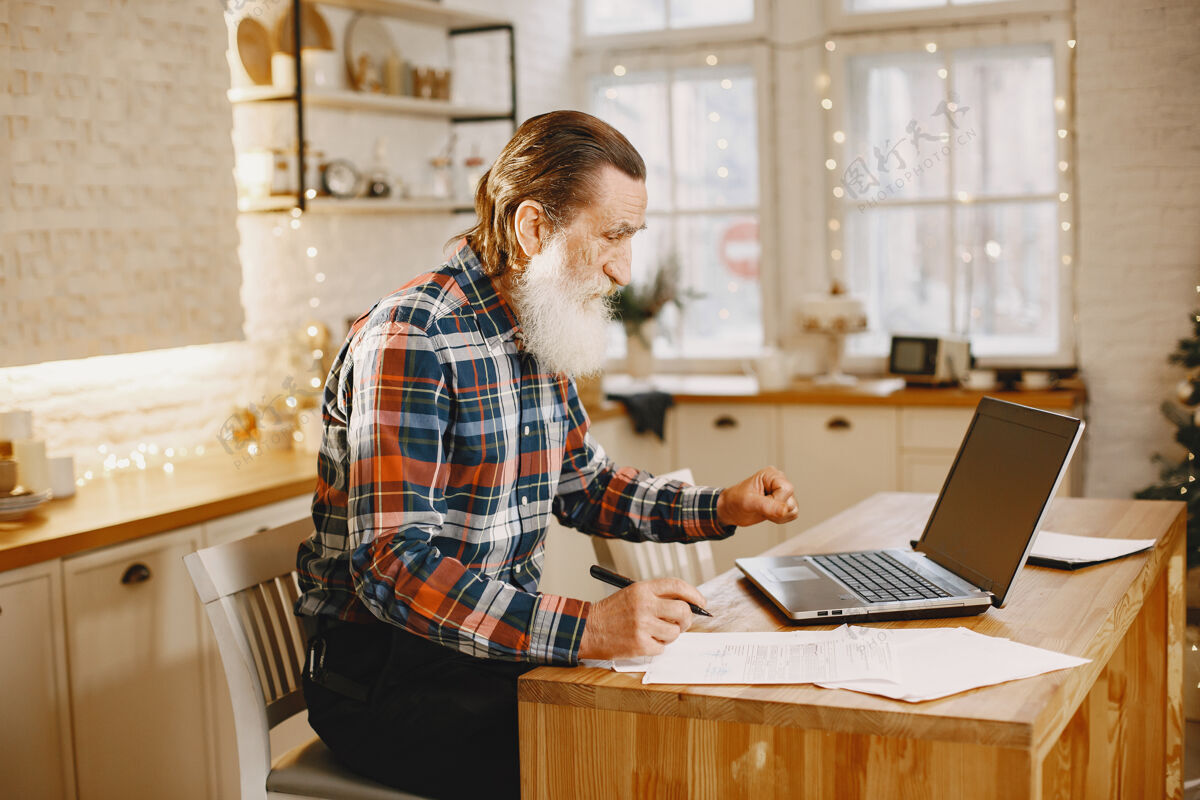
point(133, 504)
point(873, 391)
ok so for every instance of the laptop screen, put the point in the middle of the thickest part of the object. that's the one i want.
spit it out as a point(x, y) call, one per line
point(1007, 469)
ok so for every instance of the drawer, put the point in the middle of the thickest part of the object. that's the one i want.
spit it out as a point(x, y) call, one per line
point(933, 428)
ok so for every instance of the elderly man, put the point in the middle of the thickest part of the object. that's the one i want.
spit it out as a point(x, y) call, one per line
point(452, 432)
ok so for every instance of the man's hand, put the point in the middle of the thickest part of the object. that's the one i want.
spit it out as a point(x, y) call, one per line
point(765, 495)
point(639, 620)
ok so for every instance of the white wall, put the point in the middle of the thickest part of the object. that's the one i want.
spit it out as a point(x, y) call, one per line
point(1137, 95)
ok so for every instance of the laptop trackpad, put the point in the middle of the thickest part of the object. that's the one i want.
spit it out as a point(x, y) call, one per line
point(797, 573)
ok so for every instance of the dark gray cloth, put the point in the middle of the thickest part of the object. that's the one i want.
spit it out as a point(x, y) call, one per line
point(647, 410)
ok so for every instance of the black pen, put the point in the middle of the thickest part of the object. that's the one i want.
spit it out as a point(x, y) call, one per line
point(620, 581)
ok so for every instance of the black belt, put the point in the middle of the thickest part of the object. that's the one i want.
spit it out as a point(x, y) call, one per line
point(314, 665)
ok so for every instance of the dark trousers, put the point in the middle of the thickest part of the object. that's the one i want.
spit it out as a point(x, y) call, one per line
point(435, 722)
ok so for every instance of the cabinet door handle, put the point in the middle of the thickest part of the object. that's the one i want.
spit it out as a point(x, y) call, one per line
point(135, 573)
point(838, 424)
point(725, 421)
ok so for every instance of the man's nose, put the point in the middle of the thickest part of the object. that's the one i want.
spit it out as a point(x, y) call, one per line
point(619, 269)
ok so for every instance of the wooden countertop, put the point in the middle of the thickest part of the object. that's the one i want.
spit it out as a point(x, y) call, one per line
point(1083, 613)
point(868, 391)
point(132, 504)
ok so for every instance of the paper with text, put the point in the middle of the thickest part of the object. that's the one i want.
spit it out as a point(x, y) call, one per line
point(774, 658)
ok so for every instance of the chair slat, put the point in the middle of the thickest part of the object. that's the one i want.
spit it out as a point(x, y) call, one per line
point(252, 622)
point(288, 644)
point(271, 655)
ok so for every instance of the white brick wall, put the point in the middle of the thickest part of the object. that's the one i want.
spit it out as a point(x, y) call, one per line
point(180, 397)
point(1137, 96)
point(118, 229)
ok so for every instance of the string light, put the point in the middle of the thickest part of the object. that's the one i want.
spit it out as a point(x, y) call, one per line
point(619, 70)
point(1063, 197)
point(834, 225)
point(942, 73)
point(312, 252)
point(1060, 104)
point(1071, 43)
point(931, 47)
point(837, 191)
point(831, 45)
point(1062, 166)
point(1066, 260)
point(610, 93)
point(836, 255)
point(839, 136)
point(314, 301)
point(1066, 226)
point(1062, 133)
point(319, 277)
point(826, 103)
point(722, 144)
point(830, 164)
point(714, 116)
point(726, 84)
point(722, 172)
point(711, 59)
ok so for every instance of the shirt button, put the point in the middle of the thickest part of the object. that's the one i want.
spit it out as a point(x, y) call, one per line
point(524, 501)
point(526, 430)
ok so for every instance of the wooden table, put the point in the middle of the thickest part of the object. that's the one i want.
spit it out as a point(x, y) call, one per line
point(1111, 728)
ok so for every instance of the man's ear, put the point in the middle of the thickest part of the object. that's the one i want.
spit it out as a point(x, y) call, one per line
point(531, 224)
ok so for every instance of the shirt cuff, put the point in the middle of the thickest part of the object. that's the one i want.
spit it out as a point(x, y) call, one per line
point(557, 629)
point(698, 514)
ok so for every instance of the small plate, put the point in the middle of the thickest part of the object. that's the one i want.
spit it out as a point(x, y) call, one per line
point(9, 511)
point(254, 49)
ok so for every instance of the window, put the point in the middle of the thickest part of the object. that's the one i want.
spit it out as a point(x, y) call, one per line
point(950, 176)
point(694, 120)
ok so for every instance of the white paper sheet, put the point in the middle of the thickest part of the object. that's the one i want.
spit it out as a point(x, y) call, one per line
point(773, 658)
point(913, 664)
point(939, 662)
point(1085, 549)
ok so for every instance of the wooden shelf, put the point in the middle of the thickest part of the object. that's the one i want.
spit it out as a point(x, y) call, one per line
point(364, 101)
point(424, 12)
point(356, 205)
point(366, 205)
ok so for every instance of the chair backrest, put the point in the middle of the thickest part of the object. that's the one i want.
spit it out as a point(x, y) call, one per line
point(248, 588)
point(644, 560)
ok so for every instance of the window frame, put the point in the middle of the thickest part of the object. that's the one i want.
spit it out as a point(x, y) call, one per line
point(757, 28)
point(842, 22)
point(1049, 30)
point(756, 56)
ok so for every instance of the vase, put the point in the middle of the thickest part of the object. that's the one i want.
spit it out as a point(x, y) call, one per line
point(639, 350)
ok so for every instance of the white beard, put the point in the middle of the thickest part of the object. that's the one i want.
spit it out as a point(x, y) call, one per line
point(564, 312)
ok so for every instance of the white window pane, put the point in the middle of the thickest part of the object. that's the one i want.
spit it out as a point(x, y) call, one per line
point(897, 145)
point(636, 106)
point(1008, 256)
point(1006, 96)
point(601, 17)
point(719, 257)
point(716, 137)
point(897, 261)
point(862, 6)
point(698, 13)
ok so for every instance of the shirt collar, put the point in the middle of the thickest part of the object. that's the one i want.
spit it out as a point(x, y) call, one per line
point(496, 317)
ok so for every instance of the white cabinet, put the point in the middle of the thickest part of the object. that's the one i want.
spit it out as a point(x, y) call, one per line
point(223, 741)
point(929, 441)
point(837, 456)
point(723, 443)
point(35, 741)
point(138, 688)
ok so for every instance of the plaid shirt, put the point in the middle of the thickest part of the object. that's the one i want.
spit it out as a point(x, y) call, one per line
point(446, 448)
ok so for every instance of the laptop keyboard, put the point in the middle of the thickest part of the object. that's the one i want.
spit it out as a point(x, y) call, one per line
point(878, 577)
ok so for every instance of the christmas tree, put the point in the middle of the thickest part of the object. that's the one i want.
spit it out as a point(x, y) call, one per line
point(1177, 478)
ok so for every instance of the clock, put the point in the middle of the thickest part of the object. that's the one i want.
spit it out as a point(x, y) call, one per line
point(339, 178)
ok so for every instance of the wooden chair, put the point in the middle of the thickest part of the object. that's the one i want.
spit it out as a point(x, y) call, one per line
point(248, 588)
point(644, 560)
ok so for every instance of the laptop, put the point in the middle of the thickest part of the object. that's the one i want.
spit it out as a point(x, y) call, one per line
point(978, 536)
